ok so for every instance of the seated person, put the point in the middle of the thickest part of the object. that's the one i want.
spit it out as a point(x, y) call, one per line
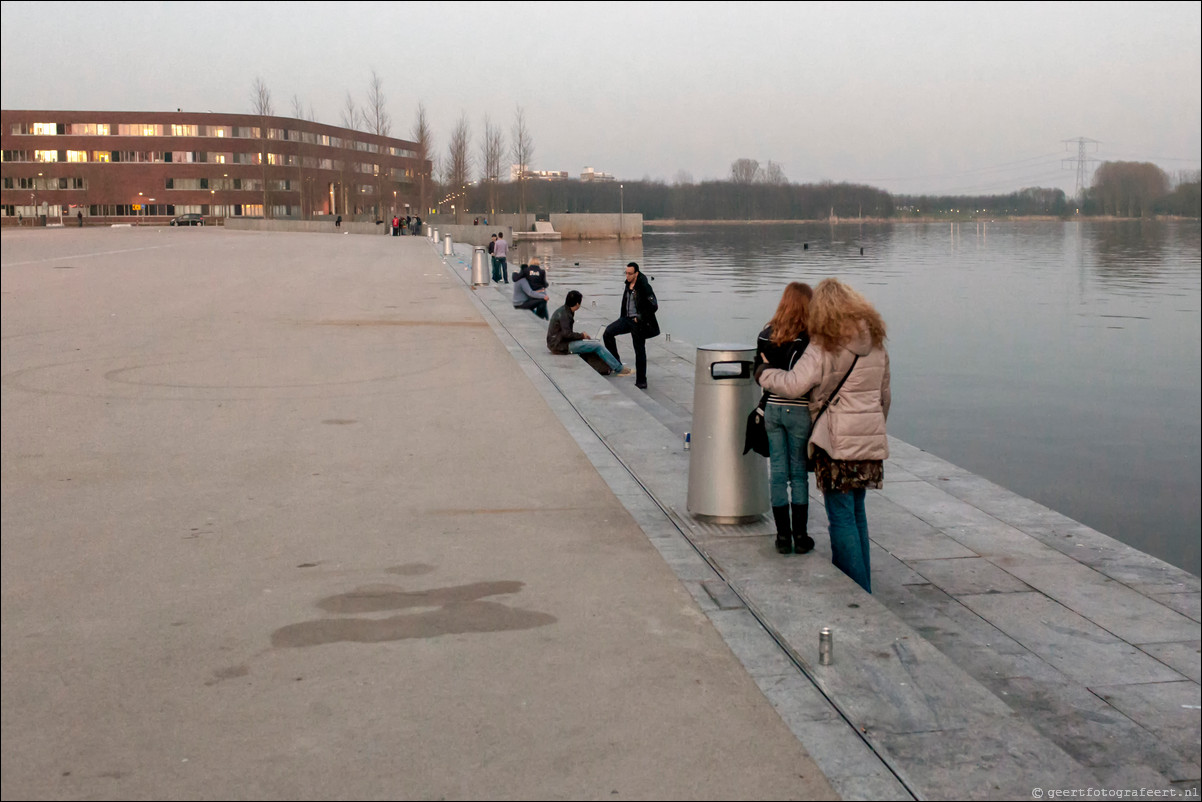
point(536, 275)
point(562, 340)
point(526, 297)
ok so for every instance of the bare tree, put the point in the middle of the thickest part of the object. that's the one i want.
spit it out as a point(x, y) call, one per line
point(744, 171)
point(350, 120)
point(298, 111)
point(350, 112)
point(378, 122)
point(773, 174)
point(260, 99)
point(683, 178)
point(423, 139)
point(522, 147)
point(492, 150)
point(459, 161)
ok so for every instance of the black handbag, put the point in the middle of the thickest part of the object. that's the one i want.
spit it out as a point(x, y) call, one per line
point(756, 438)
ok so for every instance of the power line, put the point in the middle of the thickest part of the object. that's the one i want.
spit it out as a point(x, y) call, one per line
point(1082, 159)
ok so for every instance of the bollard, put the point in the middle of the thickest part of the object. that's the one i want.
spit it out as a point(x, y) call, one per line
point(826, 647)
point(725, 484)
point(479, 267)
point(446, 246)
point(434, 235)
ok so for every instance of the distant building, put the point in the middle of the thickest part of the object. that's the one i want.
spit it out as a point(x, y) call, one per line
point(590, 174)
point(122, 165)
point(515, 174)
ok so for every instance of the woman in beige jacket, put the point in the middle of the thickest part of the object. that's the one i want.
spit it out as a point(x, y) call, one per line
point(848, 445)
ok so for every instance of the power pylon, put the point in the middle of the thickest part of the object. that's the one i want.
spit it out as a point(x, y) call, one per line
point(1083, 160)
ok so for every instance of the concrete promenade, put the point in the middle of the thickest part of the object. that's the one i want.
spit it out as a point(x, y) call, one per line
point(1007, 650)
point(283, 519)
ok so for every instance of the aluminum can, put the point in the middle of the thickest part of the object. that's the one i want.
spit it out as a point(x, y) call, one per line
point(826, 645)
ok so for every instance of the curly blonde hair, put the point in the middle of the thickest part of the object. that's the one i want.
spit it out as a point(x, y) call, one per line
point(836, 312)
point(792, 314)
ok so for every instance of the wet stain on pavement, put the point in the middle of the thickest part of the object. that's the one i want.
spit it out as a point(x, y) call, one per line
point(410, 569)
point(377, 598)
point(230, 672)
point(457, 610)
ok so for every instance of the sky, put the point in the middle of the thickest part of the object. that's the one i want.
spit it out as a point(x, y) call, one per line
point(944, 98)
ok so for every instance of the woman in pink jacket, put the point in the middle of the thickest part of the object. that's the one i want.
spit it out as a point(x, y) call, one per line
point(846, 371)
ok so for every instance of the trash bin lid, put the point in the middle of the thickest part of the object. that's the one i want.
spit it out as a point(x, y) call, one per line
point(726, 347)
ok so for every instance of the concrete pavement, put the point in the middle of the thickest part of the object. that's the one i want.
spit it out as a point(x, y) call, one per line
point(281, 519)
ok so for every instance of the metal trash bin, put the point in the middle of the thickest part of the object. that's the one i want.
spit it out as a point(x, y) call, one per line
point(479, 267)
point(447, 249)
point(725, 484)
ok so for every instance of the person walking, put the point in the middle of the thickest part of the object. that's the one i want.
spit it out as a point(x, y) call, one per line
point(787, 421)
point(846, 371)
point(636, 318)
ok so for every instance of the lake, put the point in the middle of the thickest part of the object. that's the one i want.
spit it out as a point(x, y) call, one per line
point(1060, 360)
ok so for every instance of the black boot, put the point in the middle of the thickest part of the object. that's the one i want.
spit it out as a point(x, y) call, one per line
point(802, 542)
point(783, 543)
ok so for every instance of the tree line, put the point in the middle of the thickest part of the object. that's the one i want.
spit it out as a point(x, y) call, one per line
point(470, 176)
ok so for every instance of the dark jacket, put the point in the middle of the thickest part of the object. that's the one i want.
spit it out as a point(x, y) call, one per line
point(559, 331)
point(781, 357)
point(645, 305)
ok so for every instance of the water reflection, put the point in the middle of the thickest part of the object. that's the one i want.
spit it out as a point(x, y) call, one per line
point(1060, 360)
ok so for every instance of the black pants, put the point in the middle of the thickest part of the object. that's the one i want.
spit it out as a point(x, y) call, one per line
point(538, 307)
point(626, 325)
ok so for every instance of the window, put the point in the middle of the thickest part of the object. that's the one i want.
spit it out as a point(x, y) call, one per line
point(184, 130)
point(218, 130)
point(45, 155)
point(8, 183)
point(44, 129)
point(77, 155)
point(89, 129)
point(102, 155)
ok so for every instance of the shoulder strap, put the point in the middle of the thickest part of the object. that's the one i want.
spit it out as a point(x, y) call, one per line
point(837, 388)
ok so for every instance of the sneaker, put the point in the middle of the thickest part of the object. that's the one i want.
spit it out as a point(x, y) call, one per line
point(625, 372)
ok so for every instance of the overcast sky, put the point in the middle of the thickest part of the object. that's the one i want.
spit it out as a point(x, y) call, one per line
point(910, 97)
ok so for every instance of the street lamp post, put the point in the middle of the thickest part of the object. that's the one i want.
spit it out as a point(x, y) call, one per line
point(621, 209)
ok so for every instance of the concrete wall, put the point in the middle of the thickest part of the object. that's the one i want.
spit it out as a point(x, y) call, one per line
point(571, 226)
point(472, 235)
point(598, 226)
point(324, 226)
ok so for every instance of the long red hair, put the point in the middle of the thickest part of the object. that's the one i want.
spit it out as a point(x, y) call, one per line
point(792, 313)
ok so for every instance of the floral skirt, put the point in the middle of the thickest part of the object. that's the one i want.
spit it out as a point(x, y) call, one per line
point(840, 476)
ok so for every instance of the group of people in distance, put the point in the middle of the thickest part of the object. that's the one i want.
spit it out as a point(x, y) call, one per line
point(822, 364)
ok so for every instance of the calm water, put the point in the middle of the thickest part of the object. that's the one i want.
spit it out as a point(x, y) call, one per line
point(1060, 360)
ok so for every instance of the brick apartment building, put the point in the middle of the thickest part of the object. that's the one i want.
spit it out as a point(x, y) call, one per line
point(123, 166)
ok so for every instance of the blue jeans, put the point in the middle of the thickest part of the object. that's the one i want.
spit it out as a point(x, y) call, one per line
point(849, 535)
point(788, 433)
point(595, 347)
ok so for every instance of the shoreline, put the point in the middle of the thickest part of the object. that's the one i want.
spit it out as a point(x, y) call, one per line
point(671, 223)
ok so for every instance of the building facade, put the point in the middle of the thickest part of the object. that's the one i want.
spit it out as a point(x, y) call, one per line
point(125, 166)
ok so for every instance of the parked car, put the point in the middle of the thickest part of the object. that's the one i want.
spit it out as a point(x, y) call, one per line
point(188, 220)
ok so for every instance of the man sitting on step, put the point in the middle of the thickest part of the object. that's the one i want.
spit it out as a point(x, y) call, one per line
point(561, 339)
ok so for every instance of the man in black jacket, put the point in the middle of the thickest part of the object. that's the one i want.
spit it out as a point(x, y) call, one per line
point(636, 318)
point(562, 339)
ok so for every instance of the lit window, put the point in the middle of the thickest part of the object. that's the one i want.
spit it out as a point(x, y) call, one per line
point(45, 155)
point(77, 155)
point(44, 129)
